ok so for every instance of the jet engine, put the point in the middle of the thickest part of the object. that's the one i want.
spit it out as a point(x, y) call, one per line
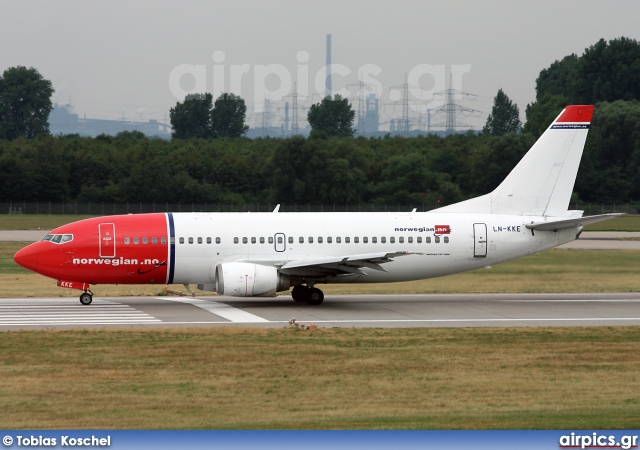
point(249, 280)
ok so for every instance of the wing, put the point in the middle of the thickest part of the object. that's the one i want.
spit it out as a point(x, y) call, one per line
point(340, 265)
point(553, 225)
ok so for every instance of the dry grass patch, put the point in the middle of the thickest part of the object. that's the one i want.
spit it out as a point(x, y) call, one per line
point(333, 378)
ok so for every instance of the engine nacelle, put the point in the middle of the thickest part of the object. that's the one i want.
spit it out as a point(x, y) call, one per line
point(249, 280)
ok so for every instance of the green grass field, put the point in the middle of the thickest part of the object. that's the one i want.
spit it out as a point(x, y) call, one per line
point(248, 378)
point(50, 221)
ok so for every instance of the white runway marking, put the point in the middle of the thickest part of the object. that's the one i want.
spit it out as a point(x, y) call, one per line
point(68, 311)
point(220, 309)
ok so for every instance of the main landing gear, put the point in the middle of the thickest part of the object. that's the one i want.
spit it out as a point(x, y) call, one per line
point(86, 297)
point(308, 294)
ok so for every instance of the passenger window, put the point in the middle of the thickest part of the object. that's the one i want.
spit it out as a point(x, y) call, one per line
point(356, 240)
point(392, 240)
point(190, 240)
point(199, 240)
point(163, 241)
point(253, 240)
point(446, 239)
point(127, 240)
point(154, 240)
point(347, 240)
point(217, 240)
point(319, 239)
point(245, 240)
point(145, 240)
point(419, 239)
point(428, 239)
point(437, 239)
point(374, 240)
point(262, 240)
point(410, 239)
point(236, 240)
point(329, 240)
point(301, 240)
point(365, 240)
point(173, 240)
point(280, 240)
point(383, 240)
point(208, 240)
point(270, 239)
point(290, 240)
point(338, 240)
point(401, 239)
point(137, 240)
point(310, 240)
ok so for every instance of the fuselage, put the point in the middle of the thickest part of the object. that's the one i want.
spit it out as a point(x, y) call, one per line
point(186, 248)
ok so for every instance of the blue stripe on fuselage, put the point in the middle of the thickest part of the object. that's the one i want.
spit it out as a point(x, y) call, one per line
point(172, 248)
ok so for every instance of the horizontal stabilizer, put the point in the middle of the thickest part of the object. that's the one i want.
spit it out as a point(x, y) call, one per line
point(554, 225)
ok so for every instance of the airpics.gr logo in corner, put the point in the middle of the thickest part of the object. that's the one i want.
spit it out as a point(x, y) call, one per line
point(442, 229)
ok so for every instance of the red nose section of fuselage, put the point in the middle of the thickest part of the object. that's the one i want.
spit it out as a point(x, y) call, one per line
point(29, 257)
point(40, 257)
point(131, 249)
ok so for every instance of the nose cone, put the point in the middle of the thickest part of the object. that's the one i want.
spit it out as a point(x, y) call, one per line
point(29, 257)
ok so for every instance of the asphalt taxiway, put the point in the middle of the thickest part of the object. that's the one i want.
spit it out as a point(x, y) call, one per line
point(387, 311)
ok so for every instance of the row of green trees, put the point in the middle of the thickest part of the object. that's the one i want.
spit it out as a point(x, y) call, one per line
point(209, 162)
point(420, 170)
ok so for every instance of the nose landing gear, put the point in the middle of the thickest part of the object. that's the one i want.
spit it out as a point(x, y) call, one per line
point(86, 297)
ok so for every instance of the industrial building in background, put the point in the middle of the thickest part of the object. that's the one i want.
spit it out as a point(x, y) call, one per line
point(286, 118)
point(63, 121)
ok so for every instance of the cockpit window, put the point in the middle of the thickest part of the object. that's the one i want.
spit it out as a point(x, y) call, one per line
point(58, 238)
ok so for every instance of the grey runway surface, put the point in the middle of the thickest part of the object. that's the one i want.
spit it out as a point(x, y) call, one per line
point(387, 311)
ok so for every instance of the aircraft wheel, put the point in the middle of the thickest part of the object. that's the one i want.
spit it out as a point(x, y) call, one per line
point(86, 298)
point(315, 296)
point(298, 293)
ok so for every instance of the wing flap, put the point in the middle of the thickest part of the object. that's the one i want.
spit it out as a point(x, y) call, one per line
point(350, 264)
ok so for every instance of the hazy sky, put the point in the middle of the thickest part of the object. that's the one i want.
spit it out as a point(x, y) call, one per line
point(114, 58)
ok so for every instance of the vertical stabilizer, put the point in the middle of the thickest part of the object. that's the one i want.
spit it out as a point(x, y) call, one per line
point(542, 182)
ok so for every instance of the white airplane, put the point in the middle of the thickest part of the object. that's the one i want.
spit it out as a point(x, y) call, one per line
point(260, 254)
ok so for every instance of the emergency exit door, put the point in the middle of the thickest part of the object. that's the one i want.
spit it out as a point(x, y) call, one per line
point(480, 240)
point(107, 232)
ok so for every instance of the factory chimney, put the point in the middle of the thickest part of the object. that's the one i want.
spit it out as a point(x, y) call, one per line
point(328, 91)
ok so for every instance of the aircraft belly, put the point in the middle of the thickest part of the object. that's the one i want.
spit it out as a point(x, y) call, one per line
point(193, 270)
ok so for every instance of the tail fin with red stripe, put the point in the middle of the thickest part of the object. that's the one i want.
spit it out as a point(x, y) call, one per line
point(542, 182)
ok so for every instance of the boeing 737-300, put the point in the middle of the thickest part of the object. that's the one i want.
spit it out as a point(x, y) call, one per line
point(260, 254)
